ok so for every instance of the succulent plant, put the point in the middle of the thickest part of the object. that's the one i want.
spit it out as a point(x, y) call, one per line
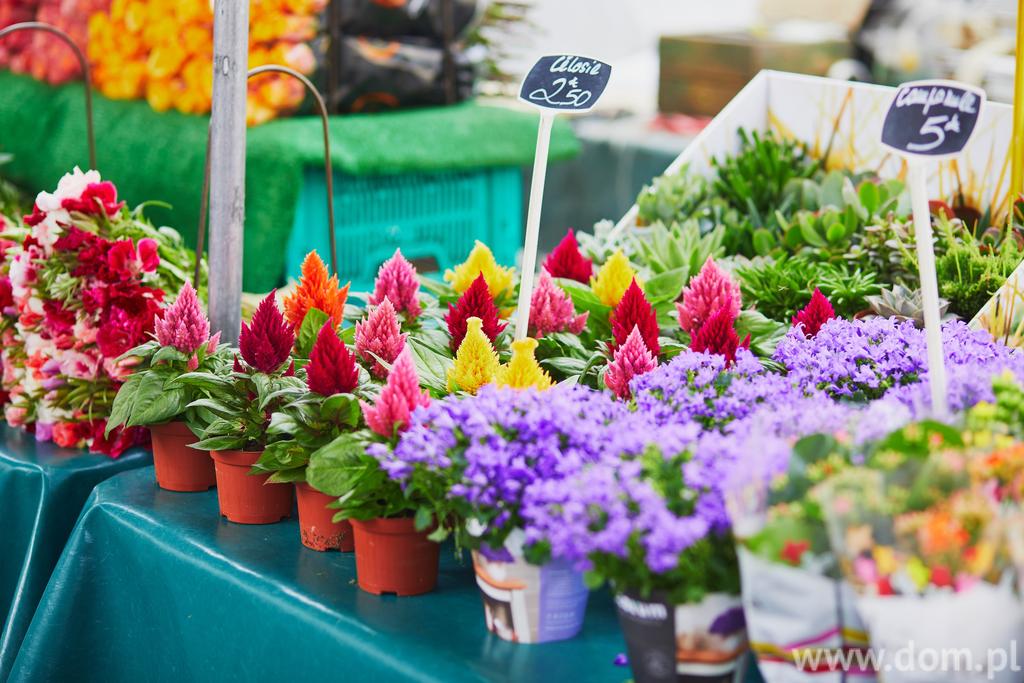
point(902, 303)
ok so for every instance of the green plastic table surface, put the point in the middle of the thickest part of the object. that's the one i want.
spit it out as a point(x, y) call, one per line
point(42, 489)
point(155, 586)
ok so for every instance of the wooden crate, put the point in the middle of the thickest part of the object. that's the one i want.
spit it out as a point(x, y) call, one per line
point(701, 73)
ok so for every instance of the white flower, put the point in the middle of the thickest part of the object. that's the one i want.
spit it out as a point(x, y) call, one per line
point(71, 186)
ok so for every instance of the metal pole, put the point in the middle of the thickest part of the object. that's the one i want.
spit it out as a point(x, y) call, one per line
point(227, 165)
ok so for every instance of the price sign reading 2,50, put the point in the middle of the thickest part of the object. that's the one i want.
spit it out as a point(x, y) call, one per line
point(932, 118)
point(565, 83)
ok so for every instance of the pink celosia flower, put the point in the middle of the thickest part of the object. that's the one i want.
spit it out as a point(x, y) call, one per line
point(710, 290)
point(631, 359)
point(380, 336)
point(183, 324)
point(551, 310)
point(400, 397)
point(397, 281)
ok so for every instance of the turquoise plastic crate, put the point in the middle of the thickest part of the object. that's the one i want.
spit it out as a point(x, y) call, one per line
point(432, 217)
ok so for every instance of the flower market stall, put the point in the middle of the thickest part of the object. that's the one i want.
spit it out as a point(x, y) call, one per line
point(710, 451)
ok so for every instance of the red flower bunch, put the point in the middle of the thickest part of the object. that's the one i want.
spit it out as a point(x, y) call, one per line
point(566, 261)
point(635, 311)
point(266, 343)
point(475, 302)
point(817, 312)
point(332, 367)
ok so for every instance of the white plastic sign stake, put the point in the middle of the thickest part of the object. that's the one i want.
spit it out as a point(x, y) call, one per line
point(930, 120)
point(557, 83)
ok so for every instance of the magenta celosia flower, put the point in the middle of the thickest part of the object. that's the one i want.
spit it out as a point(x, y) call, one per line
point(566, 261)
point(718, 335)
point(400, 397)
point(183, 324)
point(817, 312)
point(631, 359)
point(332, 367)
point(397, 281)
point(266, 343)
point(380, 337)
point(551, 309)
point(708, 291)
point(475, 302)
point(634, 311)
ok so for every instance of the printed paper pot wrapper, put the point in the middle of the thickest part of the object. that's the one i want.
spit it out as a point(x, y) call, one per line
point(666, 643)
point(792, 610)
point(967, 637)
point(846, 118)
point(527, 603)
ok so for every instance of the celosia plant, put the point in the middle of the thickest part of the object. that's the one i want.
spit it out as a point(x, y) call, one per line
point(708, 292)
point(523, 371)
point(718, 335)
point(565, 260)
point(630, 360)
point(551, 310)
point(379, 338)
point(316, 290)
point(390, 413)
point(475, 302)
point(635, 312)
point(481, 262)
point(817, 312)
point(243, 399)
point(397, 281)
point(476, 362)
point(613, 279)
point(87, 284)
point(152, 394)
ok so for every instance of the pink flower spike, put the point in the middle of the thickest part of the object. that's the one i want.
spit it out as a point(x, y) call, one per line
point(710, 290)
point(630, 360)
point(183, 324)
point(380, 335)
point(211, 345)
point(817, 312)
point(400, 397)
point(397, 280)
point(551, 309)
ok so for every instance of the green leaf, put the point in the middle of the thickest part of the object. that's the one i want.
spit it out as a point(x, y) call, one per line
point(308, 331)
point(220, 443)
point(124, 401)
point(424, 518)
point(870, 197)
point(764, 241)
point(835, 233)
point(168, 353)
point(152, 403)
point(808, 232)
point(332, 468)
point(667, 285)
point(291, 476)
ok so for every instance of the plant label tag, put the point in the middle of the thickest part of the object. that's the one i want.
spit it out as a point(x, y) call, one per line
point(932, 119)
point(566, 83)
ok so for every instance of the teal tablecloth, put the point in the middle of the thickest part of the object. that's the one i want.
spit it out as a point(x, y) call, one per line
point(42, 489)
point(154, 586)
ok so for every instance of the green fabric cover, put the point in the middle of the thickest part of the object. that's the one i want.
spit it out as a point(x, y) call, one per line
point(153, 156)
point(42, 489)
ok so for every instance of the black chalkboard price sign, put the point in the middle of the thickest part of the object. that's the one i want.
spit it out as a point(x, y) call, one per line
point(932, 119)
point(567, 83)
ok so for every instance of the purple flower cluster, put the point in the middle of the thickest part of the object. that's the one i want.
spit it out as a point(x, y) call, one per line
point(865, 359)
point(698, 387)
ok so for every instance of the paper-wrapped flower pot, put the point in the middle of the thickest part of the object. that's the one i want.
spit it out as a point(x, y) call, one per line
point(526, 603)
point(179, 467)
point(698, 642)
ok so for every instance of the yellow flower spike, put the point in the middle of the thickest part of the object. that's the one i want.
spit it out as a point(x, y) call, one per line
point(476, 362)
point(984, 557)
point(885, 559)
point(613, 279)
point(480, 260)
point(523, 371)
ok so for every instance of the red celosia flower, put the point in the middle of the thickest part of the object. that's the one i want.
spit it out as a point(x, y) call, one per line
point(818, 312)
point(266, 343)
point(97, 198)
point(635, 311)
point(566, 261)
point(717, 335)
point(332, 367)
point(475, 302)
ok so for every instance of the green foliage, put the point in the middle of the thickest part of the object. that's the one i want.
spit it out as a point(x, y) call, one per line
point(676, 252)
point(779, 288)
point(969, 274)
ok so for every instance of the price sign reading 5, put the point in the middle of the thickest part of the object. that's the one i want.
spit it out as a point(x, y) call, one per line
point(932, 118)
point(565, 83)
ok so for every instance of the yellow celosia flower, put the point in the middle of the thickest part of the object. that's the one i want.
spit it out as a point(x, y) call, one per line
point(523, 371)
point(480, 261)
point(476, 362)
point(613, 279)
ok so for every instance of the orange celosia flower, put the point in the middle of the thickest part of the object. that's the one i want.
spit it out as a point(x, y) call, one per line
point(315, 290)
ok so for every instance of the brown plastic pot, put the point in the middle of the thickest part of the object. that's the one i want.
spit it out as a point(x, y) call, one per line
point(316, 526)
point(392, 557)
point(245, 498)
point(178, 467)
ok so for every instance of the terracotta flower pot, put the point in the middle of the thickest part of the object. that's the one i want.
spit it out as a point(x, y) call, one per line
point(245, 498)
point(316, 527)
point(526, 603)
point(178, 467)
point(392, 557)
